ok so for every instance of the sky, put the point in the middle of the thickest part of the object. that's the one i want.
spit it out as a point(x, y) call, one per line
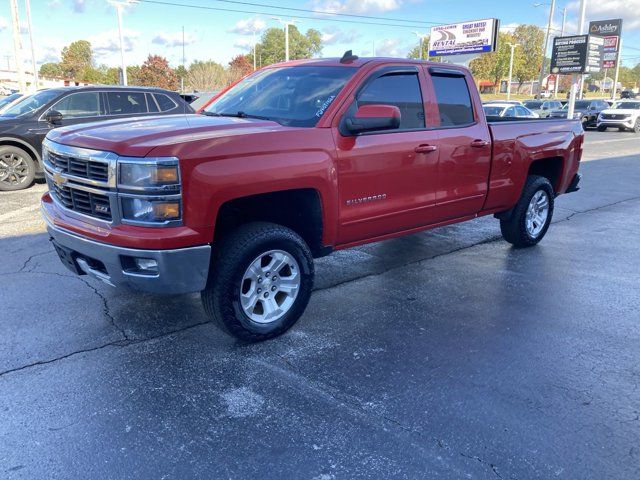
point(152, 28)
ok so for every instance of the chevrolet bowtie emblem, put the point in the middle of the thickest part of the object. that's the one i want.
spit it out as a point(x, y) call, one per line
point(59, 179)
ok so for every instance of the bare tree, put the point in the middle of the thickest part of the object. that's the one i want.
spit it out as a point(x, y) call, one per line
point(207, 76)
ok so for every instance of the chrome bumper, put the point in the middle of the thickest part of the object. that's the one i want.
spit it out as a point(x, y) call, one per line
point(182, 270)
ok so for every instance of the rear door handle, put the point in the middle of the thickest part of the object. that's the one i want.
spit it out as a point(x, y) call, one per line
point(426, 149)
point(479, 143)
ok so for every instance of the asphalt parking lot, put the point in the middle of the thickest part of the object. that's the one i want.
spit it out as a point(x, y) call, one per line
point(446, 354)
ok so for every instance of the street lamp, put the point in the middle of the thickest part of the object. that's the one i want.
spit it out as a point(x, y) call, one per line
point(286, 24)
point(513, 48)
point(119, 5)
point(421, 37)
point(546, 43)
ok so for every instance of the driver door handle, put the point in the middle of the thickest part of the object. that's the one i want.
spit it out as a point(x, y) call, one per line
point(426, 149)
point(479, 143)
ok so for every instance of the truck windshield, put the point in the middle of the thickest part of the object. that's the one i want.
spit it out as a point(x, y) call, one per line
point(291, 96)
point(30, 104)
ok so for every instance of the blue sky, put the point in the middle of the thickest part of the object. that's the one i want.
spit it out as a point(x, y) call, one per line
point(219, 35)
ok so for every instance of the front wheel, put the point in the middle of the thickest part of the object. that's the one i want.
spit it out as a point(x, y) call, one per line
point(530, 218)
point(636, 126)
point(260, 281)
point(602, 128)
point(17, 169)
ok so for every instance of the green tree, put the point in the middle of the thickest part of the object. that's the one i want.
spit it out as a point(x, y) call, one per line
point(156, 72)
point(415, 51)
point(528, 53)
point(494, 66)
point(50, 70)
point(207, 76)
point(271, 48)
point(76, 58)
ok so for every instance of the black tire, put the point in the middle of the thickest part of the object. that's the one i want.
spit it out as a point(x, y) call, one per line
point(602, 128)
point(12, 180)
point(514, 227)
point(221, 297)
point(622, 129)
point(636, 126)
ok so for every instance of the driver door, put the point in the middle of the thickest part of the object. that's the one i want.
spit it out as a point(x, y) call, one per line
point(387, 179)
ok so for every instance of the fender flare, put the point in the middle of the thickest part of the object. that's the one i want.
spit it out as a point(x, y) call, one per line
point(27, 146)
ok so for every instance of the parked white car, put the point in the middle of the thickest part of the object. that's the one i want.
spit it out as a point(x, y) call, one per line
point(508, 110)
point(625, 115)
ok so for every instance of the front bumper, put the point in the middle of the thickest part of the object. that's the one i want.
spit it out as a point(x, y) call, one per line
point(182, 270)
point(615, 123)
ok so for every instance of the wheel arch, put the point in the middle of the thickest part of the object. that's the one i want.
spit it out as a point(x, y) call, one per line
point(19, 143)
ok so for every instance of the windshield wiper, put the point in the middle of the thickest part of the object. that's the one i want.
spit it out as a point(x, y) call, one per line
point(239, 114)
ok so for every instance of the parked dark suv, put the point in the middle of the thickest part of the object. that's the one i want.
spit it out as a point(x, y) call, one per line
point(24, 125)
point(585, 110)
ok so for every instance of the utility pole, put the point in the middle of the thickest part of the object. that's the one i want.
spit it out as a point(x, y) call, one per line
point(119, 5)
point(373, 48)
point(546, 45)
point(16, 43)
point(576, 78)
point(286, 24)
point(421, 37)
point(254, 48)
point(564, 22)
point(513, 48)
point(33, 52)
point(614, 90)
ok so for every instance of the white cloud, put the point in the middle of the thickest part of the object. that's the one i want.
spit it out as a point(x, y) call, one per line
point(509, 27)
point(4, 24)
point(248, 26)
point(627, 10)
point(173, 39)
point(335, 35)
point(356, 6)
point(108, 42)
point(244, 44)
point(391, 48)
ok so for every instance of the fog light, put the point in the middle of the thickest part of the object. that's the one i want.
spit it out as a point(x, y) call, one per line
point(146, 264)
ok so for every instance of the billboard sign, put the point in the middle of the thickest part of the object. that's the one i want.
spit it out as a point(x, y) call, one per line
point(477, 36)
point(610, 31)
point(577, 54)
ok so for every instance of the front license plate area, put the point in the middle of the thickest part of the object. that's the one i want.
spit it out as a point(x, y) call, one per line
point(67, 258)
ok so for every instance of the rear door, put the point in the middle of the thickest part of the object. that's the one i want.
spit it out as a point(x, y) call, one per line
point(464, 143)
point(387, 179)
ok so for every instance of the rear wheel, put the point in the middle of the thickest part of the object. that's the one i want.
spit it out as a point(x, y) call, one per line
point(636, 126)
point(260, 281)
point(17, 169)
point(530, 218)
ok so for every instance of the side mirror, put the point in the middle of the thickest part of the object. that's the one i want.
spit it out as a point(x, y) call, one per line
point(369, 118)
point(54, 117)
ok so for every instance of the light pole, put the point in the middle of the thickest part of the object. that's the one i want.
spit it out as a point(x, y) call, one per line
point(421, 37)
point(16, 43)
point(546, 44)
point(564, 21)
point(119, 5)
point(33, 51)
point(575, 81)
point(513, 48)
point(286, 24)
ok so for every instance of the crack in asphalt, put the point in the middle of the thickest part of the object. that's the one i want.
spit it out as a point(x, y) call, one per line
point(126, 341)
point(116, 343)
point(494, 468)
point(28, 260)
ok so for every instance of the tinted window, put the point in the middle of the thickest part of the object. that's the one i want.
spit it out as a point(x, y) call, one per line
point(400, 90)
point(511, 112)
point(493, 111)
point(126, 103)
point(151, 103)
point(165, 102)
point(454, 100)
point(294, 96)
point(79, 105)
point(534, 105)
point(522, 112)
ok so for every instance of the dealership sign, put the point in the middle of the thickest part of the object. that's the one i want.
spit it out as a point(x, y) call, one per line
point(577, 54)
point(610, 31)
point(478, 36)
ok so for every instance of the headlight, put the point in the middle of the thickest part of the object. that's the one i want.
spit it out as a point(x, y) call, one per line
point(150, 210)
point(149, 174)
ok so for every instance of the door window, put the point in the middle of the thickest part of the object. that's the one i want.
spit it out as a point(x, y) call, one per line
point(510, 112)
point(165, 102)
point(79, 105)
point(401, 90)
point(522, 112)
point(454, 100)
point(126, 103)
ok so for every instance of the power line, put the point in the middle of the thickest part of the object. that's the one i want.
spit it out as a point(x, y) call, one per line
point(220, 9)
point(324, 12)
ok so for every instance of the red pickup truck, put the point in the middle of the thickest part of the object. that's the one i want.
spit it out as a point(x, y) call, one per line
point(293, 162)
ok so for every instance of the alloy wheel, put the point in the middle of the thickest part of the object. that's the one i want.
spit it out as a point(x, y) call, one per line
point(537, 213)
point(14, 169)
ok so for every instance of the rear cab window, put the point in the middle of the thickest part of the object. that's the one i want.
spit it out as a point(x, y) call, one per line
point(453, 98)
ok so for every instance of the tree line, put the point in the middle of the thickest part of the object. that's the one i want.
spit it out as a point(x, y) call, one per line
point(78, 63)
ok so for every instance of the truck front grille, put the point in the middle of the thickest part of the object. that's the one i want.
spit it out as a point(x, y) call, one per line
point(79, 167)
point(81, 201)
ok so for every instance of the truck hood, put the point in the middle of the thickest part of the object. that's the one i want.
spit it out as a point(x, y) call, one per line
point(621, 111)
point(136, 137)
